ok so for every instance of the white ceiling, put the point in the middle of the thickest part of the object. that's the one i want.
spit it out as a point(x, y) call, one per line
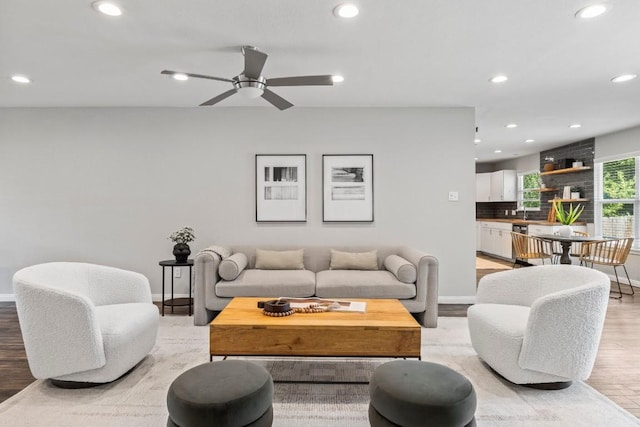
point(409, 53)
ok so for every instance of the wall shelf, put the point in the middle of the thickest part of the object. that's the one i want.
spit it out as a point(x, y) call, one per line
point(542, 190)
point(568, 200)
point(567, 170)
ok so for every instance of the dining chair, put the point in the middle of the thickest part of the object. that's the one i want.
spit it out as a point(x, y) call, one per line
point(576, 248)
point(530, 247)
point(612, 252)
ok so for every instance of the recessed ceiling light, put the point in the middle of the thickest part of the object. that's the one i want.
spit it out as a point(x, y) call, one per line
point(180, 76)
point(107, 8)
point(21, 79)
point(337, 78)
point(476, 159)
point(511, 126)
point(575, 125)
point(529, 140)
point(501, 78)
point(346, 10)
point(624, 78)
point(477, 140)
point(498, 151)
point(591, 11)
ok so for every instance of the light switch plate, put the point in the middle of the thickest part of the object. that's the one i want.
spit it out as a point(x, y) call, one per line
point(453, 196)
point(177, 272)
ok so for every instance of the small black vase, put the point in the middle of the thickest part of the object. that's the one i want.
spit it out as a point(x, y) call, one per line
point(181, 251)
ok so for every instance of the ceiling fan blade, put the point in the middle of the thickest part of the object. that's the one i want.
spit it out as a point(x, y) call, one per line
point(219, 98)
point(197, 76)
point(253, 62)
point(301, 81)
point(278, 101)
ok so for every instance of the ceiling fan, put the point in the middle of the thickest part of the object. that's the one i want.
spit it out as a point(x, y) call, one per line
point(253, 84)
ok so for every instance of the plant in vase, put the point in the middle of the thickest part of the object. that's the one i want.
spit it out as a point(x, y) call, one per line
point(181, 249)
point(566, 218)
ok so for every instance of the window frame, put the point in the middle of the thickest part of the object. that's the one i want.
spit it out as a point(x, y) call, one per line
point(600, 201)
point(521, 190)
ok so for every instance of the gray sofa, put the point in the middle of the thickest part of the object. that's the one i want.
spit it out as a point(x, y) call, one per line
point(212, 293)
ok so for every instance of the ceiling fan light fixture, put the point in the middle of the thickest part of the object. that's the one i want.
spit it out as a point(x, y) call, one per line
point(180, 77)
point(346, 10)
point(623, 78)
point(592, 11)
point(107, 8)
point(250, 92)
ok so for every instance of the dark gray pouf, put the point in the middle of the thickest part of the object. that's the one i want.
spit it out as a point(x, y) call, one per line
point(230, 393)
point(411, 393)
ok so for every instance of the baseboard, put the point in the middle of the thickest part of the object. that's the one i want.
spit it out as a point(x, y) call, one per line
point(469, 299)
point(7, 298)
point(623, 279)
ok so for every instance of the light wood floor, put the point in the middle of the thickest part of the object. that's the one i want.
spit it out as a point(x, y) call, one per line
point(616, 373)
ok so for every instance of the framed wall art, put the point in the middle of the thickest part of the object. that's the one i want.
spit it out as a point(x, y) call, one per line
point(347, 187)
point(281, 188)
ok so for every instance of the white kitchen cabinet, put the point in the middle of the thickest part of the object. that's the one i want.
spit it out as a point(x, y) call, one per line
point(503, 186)
point(496, 238)
point(483, 187)
point(499, 186)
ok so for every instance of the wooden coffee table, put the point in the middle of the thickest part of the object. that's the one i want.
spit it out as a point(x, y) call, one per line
point(387, 329)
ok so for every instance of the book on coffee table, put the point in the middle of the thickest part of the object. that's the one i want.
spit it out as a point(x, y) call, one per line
point(331, 304)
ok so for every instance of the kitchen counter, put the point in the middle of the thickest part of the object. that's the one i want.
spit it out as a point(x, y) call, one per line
point(524, 222)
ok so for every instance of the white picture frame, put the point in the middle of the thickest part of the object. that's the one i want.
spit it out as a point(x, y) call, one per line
point(347, 187)
point(281, 187)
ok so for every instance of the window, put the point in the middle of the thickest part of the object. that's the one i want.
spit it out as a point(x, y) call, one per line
point(617, 198)
point(527, 198)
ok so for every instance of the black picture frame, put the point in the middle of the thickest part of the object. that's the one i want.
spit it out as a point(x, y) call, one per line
point(347, 188)
point(281, 187)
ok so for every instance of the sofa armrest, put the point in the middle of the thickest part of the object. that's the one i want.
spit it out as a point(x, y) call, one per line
point(205, 278)
point(426, 282)
point(75, 344)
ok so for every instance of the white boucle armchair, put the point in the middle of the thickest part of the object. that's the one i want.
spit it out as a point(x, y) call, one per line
point(84, 324)
point(540, 326)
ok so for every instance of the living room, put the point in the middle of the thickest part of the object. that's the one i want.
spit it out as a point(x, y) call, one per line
point(107, 175)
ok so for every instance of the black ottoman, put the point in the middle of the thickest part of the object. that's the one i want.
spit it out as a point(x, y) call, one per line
point(411, 393)
point(230, 393)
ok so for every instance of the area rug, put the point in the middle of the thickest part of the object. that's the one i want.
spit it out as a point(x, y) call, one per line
point(139, 398)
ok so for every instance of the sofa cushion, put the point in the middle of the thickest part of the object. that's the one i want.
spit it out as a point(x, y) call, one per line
point(401, 268)
point(361, 284)
point(280, 260)
point(269, 283)
point(354, 260)
point(231, 267)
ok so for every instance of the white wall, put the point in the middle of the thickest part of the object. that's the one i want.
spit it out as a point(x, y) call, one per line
point(626, 142)
point(109, 185)
point(521, 164)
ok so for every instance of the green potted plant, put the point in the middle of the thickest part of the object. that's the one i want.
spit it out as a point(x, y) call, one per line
point(181, 249)
point(566, 218)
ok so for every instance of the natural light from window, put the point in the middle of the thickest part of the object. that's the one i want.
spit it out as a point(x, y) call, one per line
point(529, 191)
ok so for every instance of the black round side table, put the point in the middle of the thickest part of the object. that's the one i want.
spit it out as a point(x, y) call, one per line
point(174, 302)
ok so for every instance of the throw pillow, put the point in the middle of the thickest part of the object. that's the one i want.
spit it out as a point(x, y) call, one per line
point(354, 260)
point(280, 260)
point(401, 268)
point(231, 267)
